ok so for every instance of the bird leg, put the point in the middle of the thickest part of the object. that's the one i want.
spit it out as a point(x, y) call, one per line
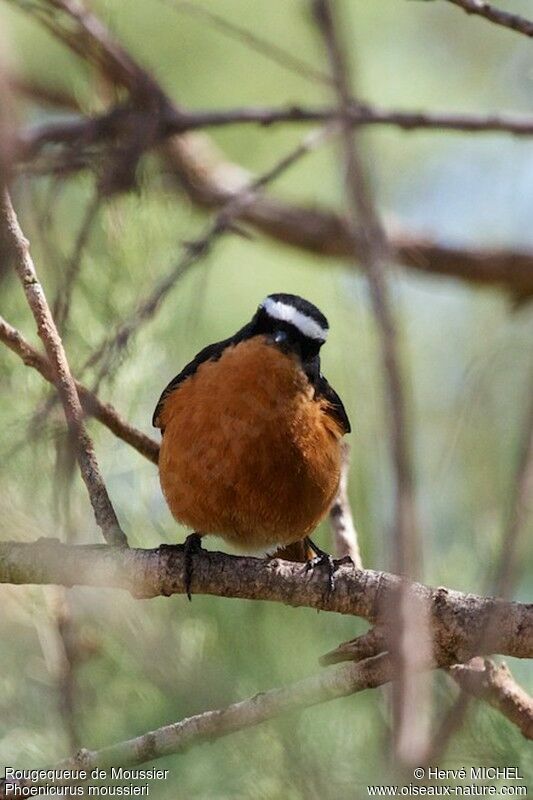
point(321, 558)
point(191, 547)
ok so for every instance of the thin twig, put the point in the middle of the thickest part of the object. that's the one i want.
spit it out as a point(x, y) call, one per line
point(374, 251)
point(103, 510)
point(346, 542)
point(520, 504)
point(91, 403)
point(261, 45)
point(90, 130)
point(317, 230)
point(223, 222)
point(504, 18)
point(468, 676)
point(211, 725)
point(61, 305)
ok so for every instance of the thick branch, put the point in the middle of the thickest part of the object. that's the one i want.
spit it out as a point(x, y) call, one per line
point(103, 510)
point(91, 403)
point(209, 180)
point(456, 618)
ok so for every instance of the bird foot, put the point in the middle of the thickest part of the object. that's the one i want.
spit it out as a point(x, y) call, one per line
point(191, 546)
point(322, 559)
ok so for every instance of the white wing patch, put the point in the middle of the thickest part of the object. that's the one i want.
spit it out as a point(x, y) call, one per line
point(306, 325)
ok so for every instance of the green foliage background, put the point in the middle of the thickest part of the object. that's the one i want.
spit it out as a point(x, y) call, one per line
point(467, 352)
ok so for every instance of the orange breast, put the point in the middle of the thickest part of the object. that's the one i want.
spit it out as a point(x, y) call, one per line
point(247, 452)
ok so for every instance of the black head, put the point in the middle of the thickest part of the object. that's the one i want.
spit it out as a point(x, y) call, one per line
point(294, 324)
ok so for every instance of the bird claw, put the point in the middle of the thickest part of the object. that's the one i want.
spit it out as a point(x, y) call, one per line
point(322, 559)
point(191, 547)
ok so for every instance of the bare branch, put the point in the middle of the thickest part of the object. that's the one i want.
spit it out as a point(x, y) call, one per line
point(264, 706)
point(456, 618)
point(203, 175)
point(61, 306)
point(501, 584)
point(318, 230)
point(504, 18)
point(366, 230)
point(366, 646)
point(346, 542)
point(496, 686)
point(211, 725)
point(365, 227)
point(209, 180)
point(105, 127)
point(91, 403)
point(103, 510)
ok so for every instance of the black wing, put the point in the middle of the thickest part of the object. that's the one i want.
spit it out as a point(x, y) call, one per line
point(337, 410)
point(210, 353)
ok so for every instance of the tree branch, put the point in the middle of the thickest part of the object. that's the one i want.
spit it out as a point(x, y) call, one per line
point(103, 510)
point(211, 725)
point(456, 618)
point(496, 686)
point(208, 180)
point(407, 615)
point(504, 18)
point(91, 403)
point(346, 541)
point(105, 127)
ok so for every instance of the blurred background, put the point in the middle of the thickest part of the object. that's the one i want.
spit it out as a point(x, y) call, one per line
point(90, 667)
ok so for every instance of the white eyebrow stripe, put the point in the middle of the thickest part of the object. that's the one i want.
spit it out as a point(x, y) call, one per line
point(306, 325)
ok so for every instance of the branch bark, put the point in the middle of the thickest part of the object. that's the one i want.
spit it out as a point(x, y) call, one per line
point(496, 686)
point(456, 618)
point(103, 510)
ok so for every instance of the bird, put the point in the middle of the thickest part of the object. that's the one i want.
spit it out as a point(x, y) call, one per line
point(251, 430)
